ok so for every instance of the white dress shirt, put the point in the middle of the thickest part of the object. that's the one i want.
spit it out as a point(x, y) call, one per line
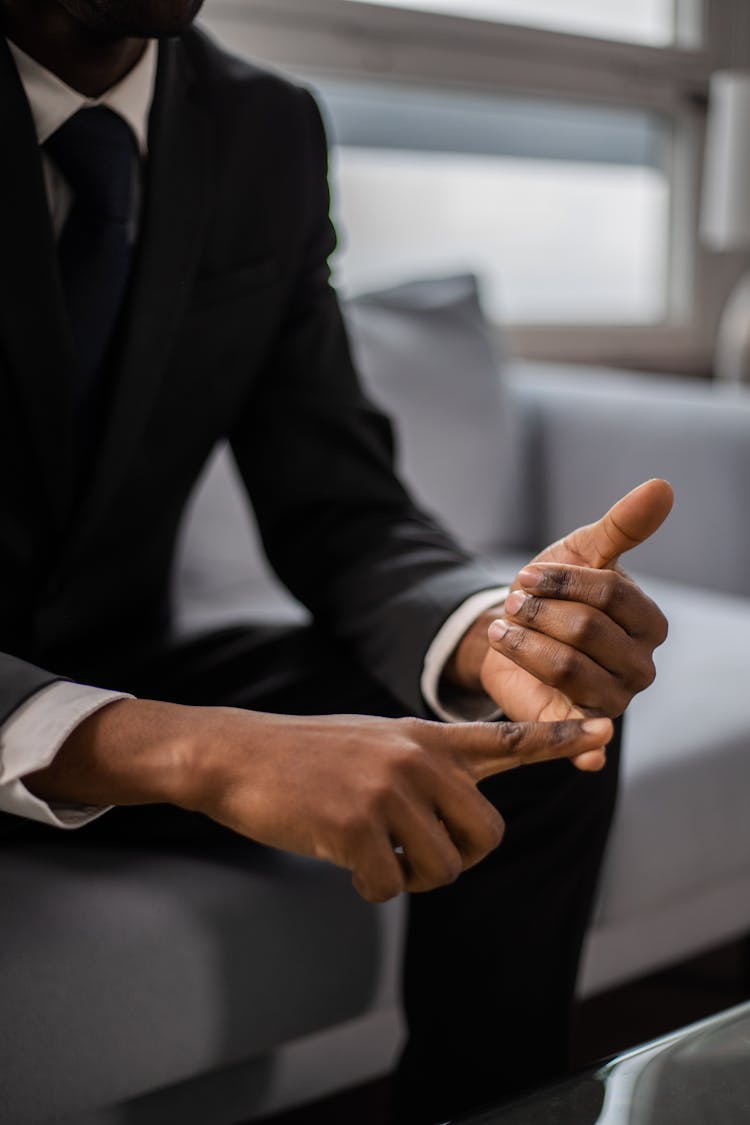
point(32, 736)
point(53, 103)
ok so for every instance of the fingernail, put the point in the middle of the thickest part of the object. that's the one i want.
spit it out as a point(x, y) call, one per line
point(498, 629)
point(530, 579)
point(600, 727)
point(514, 601)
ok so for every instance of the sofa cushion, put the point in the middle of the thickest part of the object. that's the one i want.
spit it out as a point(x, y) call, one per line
point(123, 970)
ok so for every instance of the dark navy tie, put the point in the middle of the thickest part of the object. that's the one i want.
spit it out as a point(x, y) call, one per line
point(96, 152)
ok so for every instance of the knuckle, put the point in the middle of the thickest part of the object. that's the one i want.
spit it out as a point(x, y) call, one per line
point(442, 874)
point(411, 762)
point(375, 889)
point(564, 666)
point(512, 735)
point(377, 798)
point(384, 889)
point(369, 894)
point(610, 589)
point(554, 739)
point(496, 830)
point(451, 871)
point(557, 582)
point(485, 835)
point(566, 731)
point(645, 674)
point(417, 885)
point(620, 705)
point(488, 836)
point(350, 827)
point(411, 729)
point(515, 638)
point(583, 629)
point(619, 702)
point(531, 609)
point(661, 629)
point(402, 757)
point(440, 870)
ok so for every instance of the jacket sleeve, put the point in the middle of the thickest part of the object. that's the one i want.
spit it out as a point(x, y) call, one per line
point(18, 681)
point(317, 459)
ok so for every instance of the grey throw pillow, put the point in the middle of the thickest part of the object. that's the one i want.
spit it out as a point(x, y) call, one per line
point(426, 356)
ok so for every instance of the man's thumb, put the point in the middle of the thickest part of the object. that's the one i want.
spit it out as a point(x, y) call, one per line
point(627, 523)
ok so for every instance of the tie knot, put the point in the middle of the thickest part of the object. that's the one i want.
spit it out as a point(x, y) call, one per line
point(95, 150)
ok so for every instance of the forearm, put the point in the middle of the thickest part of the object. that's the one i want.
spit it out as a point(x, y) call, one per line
point(341, 788)
point(130, 752)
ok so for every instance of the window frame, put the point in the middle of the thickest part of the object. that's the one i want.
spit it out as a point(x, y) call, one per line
point(315, 39)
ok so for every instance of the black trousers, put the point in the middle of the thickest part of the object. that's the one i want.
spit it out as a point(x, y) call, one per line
point(491, 961)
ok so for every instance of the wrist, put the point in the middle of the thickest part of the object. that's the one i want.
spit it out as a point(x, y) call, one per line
point(129, 752)
point(463, 669)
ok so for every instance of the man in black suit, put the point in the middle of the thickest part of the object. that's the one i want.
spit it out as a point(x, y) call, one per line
point(163, 285)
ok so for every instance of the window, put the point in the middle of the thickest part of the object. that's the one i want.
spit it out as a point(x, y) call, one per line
point(637, 21)
point(562, 210)
point(552, 146)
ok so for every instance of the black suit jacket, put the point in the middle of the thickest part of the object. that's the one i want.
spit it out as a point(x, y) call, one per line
point(231, 329)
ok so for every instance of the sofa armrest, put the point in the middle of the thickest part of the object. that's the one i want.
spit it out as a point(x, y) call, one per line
point(594, 435)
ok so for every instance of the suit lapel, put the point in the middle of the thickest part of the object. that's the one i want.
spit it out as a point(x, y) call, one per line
point(34, 332)
point(175, 208)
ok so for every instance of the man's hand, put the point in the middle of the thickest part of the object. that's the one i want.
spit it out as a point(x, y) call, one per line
point(393, 800)
point(577, 635)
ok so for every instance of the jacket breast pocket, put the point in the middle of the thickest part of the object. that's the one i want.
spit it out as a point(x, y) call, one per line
point(223, 288)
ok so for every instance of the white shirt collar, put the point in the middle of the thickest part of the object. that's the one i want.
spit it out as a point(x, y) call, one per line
point(53, 102)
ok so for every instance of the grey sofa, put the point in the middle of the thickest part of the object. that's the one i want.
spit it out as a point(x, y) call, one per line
point(160, 986)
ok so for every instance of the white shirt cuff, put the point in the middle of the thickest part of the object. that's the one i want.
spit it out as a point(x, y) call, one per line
point(32, 736)
point(466, 706)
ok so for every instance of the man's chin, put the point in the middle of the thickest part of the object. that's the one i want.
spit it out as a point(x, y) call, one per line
point(151, 19)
